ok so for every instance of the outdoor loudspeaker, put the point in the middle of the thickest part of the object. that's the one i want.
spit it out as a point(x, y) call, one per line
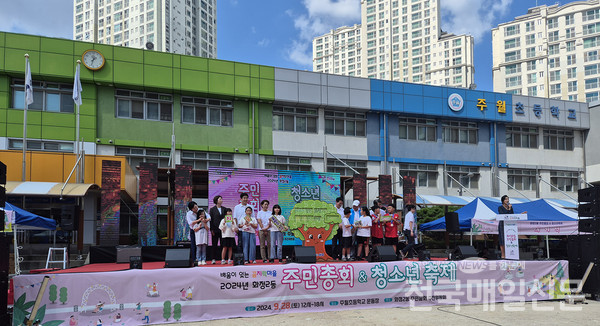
point(177, 258)
point(591, 225)
point(125, 253)
point(69, 218)
point(464, 252)
point(452, 224)
point(2, 174)
point(589, 210)
point(238, 258)
point(382, 253)
point(305, 255)
point(588, 195)
point(135, 262)
point(424, 255)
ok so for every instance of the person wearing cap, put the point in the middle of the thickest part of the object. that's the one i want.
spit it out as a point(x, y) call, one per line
point(354, 216)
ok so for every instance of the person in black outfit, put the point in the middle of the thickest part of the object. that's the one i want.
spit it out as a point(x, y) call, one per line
point(217, 213)
point(505, 208)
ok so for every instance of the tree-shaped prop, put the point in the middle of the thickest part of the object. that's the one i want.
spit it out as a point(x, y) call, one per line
point(314, 222)
point(177, 311)
point(167, 310)
point(63, 295)
point(52, 293)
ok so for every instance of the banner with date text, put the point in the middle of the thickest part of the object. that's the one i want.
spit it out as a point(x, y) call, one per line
point(134, 297)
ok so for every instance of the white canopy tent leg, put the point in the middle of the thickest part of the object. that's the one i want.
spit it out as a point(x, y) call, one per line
point(471, 238)
point(547, 247)
point(16, 250)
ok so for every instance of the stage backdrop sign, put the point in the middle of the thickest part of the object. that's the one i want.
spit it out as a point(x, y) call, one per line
point(172, 295)
point(316, 192)
point(147, 208)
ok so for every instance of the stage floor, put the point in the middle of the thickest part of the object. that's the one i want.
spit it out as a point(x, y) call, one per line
point(113, 267)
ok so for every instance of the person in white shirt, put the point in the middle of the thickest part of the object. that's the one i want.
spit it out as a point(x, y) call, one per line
point(276, 233)
point(239, 212)
point(363, 232)
point(191, 218)
point(202, 228)
point(346, 234)
point(262, 217)
point(336, 242)
point(409, 230)
point(248, 227)
point(228, 228)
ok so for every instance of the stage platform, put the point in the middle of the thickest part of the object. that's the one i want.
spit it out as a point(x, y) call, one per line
point(125, 297)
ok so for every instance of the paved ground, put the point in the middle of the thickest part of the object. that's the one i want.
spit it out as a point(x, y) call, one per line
point(541, 313)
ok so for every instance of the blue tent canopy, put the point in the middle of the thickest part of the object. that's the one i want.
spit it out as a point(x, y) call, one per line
point(27, 220)
point(480, 208)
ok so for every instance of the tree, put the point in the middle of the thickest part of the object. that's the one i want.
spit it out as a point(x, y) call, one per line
point(177, 311)
point(63, 295)
point(52, 293)
point(167, 310)
point(314, 222)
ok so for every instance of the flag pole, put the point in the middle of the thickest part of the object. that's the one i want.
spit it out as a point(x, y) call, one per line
point(77, 151)
point(24, 167)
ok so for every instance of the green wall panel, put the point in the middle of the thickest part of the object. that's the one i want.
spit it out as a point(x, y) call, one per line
point(195, 81)
point(127, 73)
point(105, 75)
point(128, 54)
point(106, 50)
point(60, 133)
point(158, 58)
point(55, 45)
point(176, 79)
point(14, 61)
point(22, 41)
point(87, 121)
point(4, 99)
point(267, 72)
point(60, 65)
point(255, 71)
point(133, 143)
point(85, 75)
point(3, 113)
point(242, 69)
point(267, 89)
point(219, 66)
point(158, 144)
point(255, 87)
point(58, 119)
point(2, 51)
point(242, 86)
point(221, 84)
point(87, 134)
point(33, 117)
point(158, 77)
point(194, 63)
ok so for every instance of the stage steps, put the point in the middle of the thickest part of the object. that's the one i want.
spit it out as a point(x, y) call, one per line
point(35, 255)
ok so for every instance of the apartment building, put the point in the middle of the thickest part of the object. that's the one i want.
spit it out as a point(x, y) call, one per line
point(178, 26)
point(398, 40)
point(552, 51)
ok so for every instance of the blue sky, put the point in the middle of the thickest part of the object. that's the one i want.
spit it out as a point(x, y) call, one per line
point(278, 32)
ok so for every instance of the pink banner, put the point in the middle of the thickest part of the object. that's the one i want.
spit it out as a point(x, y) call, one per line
point(527, 227)
point(135, 297)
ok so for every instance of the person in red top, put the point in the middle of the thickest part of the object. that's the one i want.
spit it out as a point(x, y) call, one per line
point(377, 227)
point(391, 227)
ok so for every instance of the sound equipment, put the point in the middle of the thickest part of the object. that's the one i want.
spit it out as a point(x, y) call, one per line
point(424, 255)
point(452, 224)
point(382, 253)
point(4, 257)
point(493, 254)
point(588, 195)
point(177, 258)
point(589, 210)
point(463, 252)
point(238, 258)
point(70, 218)
point(124, 253)
point(2, 196)
point(591, 225)
point(590, 248)
point(574, 249)
point(2, 174)
point(135, 262)
point(305, 255)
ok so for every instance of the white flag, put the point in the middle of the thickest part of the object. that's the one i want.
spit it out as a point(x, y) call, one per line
point(77, 87)
point(28, 84)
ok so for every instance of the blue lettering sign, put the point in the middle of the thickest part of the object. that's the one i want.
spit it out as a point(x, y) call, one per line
point(519, 108)
point(537, 110)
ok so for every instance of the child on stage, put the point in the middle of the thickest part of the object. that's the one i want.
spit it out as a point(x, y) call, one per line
point(201, 232)
point(249, 236)
point(346, 234)
point(363, 232)
point(228, 228)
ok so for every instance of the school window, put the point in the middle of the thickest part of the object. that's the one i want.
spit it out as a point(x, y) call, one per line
point(524, 137)
point(335, 166)
point(295, 119)
point(459, 132)
point(558, 139)
point(417, 129)
point(41, 145)
point(521, 179)
point(51, 97)
point(206, 111)
point(287, 163)
point(136, 155)
point(144, 105)
point(425, 174)
point(203, 160)
point(564, 180)
point(345, 123)
point(467, 176)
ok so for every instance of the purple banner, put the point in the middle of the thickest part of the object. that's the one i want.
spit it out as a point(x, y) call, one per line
point(528, 227)
point(134, 297)
point(147, 207)
point(110, 203)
